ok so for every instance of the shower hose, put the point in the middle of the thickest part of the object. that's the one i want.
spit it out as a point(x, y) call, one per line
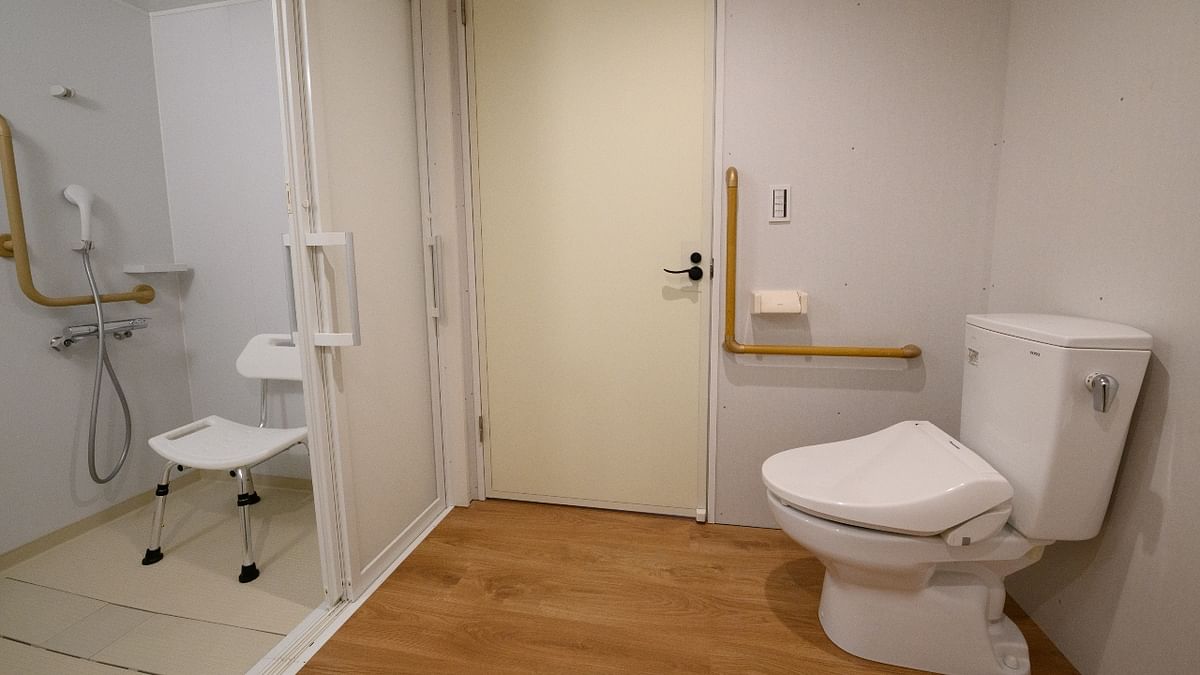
point(102, 364)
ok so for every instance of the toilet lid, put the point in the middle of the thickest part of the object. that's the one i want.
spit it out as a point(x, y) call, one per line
point(911, 477)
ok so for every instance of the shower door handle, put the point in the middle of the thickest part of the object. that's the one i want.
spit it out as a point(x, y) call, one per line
point(290, 285)
point(433, 272)
point(346, 241)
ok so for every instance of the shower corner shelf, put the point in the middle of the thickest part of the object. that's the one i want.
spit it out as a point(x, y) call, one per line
point(157, 268)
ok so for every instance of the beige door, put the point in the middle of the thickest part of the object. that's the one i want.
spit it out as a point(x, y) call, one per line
point(591, 147)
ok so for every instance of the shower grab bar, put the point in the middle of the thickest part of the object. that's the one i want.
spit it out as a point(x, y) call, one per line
point(14, 246)
point(732, 345)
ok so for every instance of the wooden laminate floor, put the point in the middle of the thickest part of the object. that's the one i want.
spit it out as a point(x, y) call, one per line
point(512, 587)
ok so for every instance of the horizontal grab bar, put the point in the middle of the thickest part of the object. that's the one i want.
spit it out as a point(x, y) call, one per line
point(13, 245)
point(905, 352)
point(733, 346)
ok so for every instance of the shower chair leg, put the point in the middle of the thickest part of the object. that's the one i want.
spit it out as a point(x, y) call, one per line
point(249, 486)
point(154, 550)
point(246, 497)
point(254, 498)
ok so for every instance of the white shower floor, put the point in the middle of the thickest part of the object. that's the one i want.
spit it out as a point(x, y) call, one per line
point(88, 603)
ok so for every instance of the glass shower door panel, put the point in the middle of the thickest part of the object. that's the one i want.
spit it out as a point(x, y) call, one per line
point(366, 174)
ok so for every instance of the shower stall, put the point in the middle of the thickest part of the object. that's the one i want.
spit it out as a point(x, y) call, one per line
point(184, 176)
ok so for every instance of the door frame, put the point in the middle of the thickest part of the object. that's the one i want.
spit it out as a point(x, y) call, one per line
point(707, 326)
point(716, 247)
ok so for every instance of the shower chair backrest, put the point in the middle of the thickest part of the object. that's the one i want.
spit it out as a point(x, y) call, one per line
point(270, 356)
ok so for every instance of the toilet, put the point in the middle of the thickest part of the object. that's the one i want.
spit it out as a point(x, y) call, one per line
point(917, 529)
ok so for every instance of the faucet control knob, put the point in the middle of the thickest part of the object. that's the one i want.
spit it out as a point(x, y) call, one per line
point(1104, 389)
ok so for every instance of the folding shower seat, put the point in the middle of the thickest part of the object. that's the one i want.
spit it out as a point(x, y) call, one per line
point(220, 444)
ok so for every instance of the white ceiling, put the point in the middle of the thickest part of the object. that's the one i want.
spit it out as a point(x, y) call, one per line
point(160, 5)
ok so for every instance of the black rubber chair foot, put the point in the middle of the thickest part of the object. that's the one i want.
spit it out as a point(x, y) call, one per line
point(248, 498)
point(249, 573)
point(153, 555)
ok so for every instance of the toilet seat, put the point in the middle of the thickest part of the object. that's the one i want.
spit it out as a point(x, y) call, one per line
point(910, 478)
point(834, 541)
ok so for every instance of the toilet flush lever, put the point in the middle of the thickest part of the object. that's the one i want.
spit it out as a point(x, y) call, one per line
point(1103, 388)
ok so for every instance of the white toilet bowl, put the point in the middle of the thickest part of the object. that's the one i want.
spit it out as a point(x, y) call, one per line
point(916, 601)
point(888, 515)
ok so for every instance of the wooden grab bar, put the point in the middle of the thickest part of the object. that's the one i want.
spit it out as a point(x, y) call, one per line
point(731, 343)
point(14, 246)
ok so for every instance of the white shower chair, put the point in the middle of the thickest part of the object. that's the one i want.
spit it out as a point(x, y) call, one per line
point(217, 443)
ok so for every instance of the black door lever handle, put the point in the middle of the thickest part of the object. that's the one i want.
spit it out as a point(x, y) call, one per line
point(695, 273)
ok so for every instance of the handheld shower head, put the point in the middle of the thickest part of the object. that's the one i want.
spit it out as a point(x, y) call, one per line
point(83, 198)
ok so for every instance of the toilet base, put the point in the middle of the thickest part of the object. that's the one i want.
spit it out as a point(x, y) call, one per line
point(940, 627)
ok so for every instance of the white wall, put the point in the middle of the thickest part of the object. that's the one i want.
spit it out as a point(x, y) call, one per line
point(884, 117)
point(218, 99)
point(107, 139)
point(1098, 216)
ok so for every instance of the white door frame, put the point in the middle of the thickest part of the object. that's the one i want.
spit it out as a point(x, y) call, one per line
point(715, 120)
point(708, 327)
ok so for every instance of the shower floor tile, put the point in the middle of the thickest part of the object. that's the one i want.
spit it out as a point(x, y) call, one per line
point(20, 658)
point(96, 631)
point(35, 614)
point(91, 598)
point(168, 644)
point(197, 578)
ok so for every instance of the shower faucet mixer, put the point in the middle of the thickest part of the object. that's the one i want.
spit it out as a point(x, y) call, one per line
point(120, 329)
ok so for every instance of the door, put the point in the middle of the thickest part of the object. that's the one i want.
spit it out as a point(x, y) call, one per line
point(591, 138)
point(356, 120)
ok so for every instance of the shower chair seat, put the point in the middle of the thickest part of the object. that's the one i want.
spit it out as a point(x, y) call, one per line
point(217, 443)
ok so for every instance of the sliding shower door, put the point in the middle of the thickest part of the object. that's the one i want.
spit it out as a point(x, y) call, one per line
point(358, 198)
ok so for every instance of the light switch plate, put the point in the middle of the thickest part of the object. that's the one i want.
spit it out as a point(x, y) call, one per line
point(781, 204)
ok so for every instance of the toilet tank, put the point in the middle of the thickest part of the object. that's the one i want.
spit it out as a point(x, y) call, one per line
point(1027, 410)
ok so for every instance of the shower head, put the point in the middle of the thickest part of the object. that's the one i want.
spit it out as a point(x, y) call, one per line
point(83, 198)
